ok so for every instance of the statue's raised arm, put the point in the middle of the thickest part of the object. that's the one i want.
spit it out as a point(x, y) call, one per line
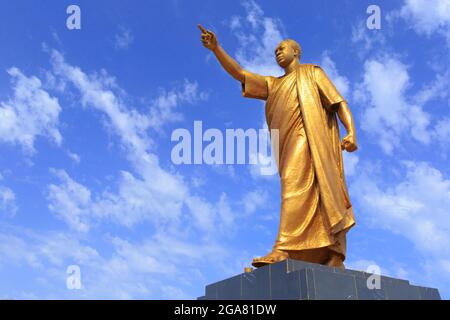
point(209, 40)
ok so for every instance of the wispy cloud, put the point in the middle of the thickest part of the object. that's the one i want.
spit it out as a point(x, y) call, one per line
point(426, 17)
point(341, 82)
point(415, 207)
point(351, 161)
point(258, 36)
point(126, 270)
point(73, 156)
point(123, 38)
point(253, 200)
point(164, 192)
point(390, 112)
point(164, 109)
point(365, 41)
point(7, 201)
point(441, 132)
point(31, 112)
point(151, 194)
point(70, 200)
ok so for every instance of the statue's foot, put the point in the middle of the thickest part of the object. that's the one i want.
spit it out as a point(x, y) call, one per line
point(336, 261)
point(274, 256)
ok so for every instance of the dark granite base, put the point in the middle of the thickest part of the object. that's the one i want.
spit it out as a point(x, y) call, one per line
point(298, 280)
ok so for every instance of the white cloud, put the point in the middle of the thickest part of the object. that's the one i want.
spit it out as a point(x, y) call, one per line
point(198, 181)
point(185, 229)
point(416, 207)
point(442, 131)
point(123, 38)
point(203, 212)
point(163, 108)
point(254, 200)
point(140, 258)
point(13, 249)
point(30, 113)
point(367, 40)
point(148, 268)
point(59, 248)
point(73, 156)
point(156, 194)
point(70, 201)
point(143, 199)
point(258, 36)
point(7, 201)
point(227, 171)
point(390, 113)
point(363, 265)
point(102, 93)
point(25, 247)
point(174, 293)
point(235, 22)
point(225, 213)
point(437, 89)
point(350, 163)
point(341, 82)
point(426, 16)
point(97, 91)
point(153, 194)
point(125, 270)
point(391, 268)
point(136, 201)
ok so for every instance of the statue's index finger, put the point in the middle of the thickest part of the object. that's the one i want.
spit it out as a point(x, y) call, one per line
point(202, 29)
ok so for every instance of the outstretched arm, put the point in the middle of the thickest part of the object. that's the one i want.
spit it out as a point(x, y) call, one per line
point(209, 41)
point(349, 141)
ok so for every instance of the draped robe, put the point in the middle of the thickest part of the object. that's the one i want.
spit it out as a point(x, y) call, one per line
point(315, 210)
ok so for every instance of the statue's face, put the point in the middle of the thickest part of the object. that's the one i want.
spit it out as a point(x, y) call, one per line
point(284, 54)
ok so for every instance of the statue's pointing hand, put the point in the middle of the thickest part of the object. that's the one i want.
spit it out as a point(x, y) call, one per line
point(349, 143)
point(208, 38)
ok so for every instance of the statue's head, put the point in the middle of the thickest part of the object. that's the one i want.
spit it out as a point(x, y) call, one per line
point(287, 51)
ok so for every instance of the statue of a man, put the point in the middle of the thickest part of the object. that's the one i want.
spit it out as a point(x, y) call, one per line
point(316, 212)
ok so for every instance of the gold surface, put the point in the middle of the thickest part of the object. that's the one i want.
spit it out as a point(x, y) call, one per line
point(303, 105)
point(248, 270)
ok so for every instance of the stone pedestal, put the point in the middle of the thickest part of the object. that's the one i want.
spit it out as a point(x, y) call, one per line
point(298, 280)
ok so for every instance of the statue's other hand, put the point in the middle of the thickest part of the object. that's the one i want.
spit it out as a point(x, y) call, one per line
point(349, 143)
point(208, 38)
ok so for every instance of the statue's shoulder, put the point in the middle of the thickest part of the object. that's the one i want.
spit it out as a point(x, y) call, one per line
point(310, 66)
point(310, 69)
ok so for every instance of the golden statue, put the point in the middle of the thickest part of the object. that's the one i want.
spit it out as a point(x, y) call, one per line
point(316, 212)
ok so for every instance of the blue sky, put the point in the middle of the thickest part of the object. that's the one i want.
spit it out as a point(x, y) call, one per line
point(86, 117)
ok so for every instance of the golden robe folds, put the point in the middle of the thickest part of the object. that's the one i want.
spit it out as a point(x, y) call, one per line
point(316, 211)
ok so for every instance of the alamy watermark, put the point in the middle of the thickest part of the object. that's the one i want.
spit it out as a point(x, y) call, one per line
point(235, 146)
point(373, 22)
point(73, 21)
point(374, 280)
point(73, 281)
